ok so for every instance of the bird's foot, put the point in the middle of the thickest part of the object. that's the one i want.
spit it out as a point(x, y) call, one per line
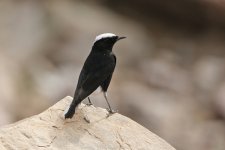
point(69, 114)
point(111, 112)
point(89, 104)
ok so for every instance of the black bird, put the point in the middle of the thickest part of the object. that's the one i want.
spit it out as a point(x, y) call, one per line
point(97, 71)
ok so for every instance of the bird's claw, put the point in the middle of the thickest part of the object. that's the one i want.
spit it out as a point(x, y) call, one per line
point(111, 112)
point(69, 114)
point(89, 104)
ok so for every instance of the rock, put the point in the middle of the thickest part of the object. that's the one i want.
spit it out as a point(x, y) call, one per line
point(90, 128)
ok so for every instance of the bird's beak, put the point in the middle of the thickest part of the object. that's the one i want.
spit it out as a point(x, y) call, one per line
point(120, 38)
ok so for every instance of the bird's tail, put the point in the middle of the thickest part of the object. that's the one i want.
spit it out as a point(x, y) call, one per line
point(71, 110)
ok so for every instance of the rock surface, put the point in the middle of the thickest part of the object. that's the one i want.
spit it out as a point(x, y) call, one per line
point(90, 128)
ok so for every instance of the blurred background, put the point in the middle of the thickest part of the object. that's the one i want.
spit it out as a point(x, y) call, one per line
point(170, 74)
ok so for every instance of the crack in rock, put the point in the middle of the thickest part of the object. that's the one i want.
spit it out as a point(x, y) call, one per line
point(48, 145)
point(121, 139)
point(26, 135)
point(120, 145)
point(94, 135)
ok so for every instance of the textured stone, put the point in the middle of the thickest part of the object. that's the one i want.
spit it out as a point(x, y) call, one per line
point(90, 128)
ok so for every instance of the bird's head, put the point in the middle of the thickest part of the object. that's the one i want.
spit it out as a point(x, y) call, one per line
point(106, 41)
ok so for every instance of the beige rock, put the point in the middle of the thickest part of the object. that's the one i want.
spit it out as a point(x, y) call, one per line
point(90, 128)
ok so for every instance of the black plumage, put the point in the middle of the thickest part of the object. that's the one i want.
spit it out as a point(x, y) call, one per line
point(97, 71)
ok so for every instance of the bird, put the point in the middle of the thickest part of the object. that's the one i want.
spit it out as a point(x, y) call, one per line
point(97, 71)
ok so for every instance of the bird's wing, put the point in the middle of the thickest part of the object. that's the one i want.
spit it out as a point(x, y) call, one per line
point(93, 76)
point(94, 79)
point(106, 82)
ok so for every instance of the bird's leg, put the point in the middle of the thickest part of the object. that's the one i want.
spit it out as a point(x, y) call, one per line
point(110, 109)
point(89, 102)
point(70, 112)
